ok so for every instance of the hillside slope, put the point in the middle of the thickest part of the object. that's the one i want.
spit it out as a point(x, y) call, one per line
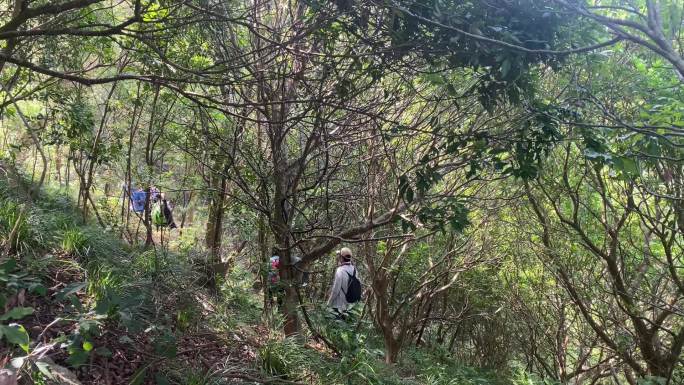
point(80, 306)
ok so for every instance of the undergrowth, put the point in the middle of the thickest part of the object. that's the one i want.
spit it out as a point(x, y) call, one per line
point(101, 293)
point(111, 297)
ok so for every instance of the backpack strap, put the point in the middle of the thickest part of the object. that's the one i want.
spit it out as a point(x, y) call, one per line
point(348, 282)
point(349, 275)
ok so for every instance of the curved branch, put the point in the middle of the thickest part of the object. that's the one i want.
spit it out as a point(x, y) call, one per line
point(504, 44)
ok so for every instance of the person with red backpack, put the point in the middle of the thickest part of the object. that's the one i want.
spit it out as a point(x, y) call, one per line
point(346, 288)
point(275, 290)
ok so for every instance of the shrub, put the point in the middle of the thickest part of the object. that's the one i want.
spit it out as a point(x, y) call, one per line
point(147, 262)
point(521, 377)
point(237, 291)
point(74, 242)
point(436, 368)
point(286, 358)
point(14, 218)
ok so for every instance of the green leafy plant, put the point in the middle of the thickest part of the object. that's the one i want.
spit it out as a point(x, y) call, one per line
point(15, 334)
point(166, 344)
point(15, 227)
point(13, 279)
point(239, 297)
point(522, 377)
point(286, 358)
point(17, 313)
point(74, 242)
point(185, 317)
point(651, 380)
point(359, 360)
point(276, 357)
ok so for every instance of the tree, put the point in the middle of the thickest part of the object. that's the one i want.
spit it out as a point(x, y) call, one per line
point(654, 25)
point(617, 223)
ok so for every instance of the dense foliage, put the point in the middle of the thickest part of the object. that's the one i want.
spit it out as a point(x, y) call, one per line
point(507, 173)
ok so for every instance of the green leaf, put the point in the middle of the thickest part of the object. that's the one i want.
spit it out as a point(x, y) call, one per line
point(44, 367)
point(124, 339)
point(628, 166)
point(70, 289)
point(434, 78)
point(16, 334)
point(17, 313)
point(87, 346)
point(652, 148)
point(9, 266)
point(77, 357)
point(37, 288)
point(160, 379)
point(87, 327)
point(139, 376)
point(165, 346)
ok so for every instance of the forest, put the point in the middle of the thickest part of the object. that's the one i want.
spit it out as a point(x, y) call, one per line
point(184, 183)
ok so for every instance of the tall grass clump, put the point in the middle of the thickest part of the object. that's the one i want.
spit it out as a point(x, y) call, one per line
point(15, 227)
point(239, 297)
point(286, 359)
point(74, 242)
point(437, 367)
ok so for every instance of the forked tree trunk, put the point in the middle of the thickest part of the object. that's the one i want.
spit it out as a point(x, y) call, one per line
point(280, 226)
point(384, 319)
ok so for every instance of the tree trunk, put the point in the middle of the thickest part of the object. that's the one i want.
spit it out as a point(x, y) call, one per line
point(384, 320)
point(58, 165)
point(128, 188)
point(147, 218)
point(280, 227)
point(35, 189)
point(187, 197)
point(290, 301)
point(263, 257)
point(424, 324)
point(149, 161)
point(392, 349)
point(67, 171)
point(214, 229)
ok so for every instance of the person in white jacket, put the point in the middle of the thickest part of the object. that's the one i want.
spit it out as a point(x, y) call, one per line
point(338, 301)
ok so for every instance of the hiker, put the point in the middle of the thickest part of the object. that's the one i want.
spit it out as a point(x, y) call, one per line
point(346, 288)
point(161, 214)
point(274, 288)
point(138, 200)
point(154, 194)
point(168, 216)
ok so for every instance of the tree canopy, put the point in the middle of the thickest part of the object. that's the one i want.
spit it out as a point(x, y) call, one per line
point(508, 174)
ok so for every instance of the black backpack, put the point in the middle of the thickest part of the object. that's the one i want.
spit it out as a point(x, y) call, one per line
point(353, 293)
